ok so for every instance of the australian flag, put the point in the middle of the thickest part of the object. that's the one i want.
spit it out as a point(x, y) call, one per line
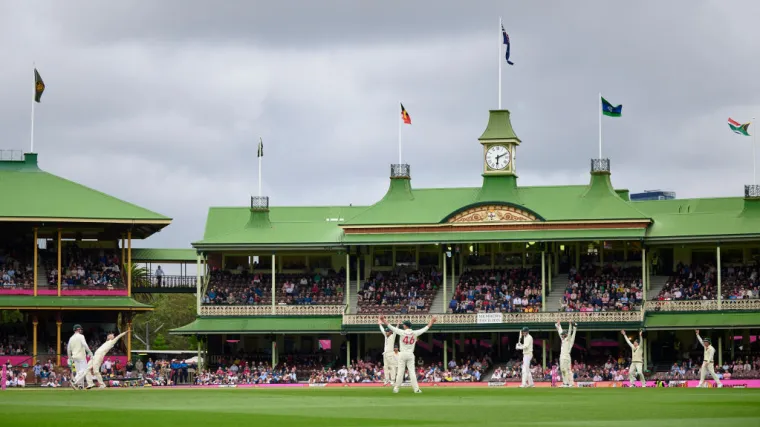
point(506, 42)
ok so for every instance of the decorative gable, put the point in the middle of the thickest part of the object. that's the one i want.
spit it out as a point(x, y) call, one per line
point(491, 213)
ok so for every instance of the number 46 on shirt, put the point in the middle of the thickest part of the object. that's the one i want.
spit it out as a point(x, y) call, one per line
point(409, 340)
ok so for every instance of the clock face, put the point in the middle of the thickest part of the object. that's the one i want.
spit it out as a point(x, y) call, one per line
point(497, 157)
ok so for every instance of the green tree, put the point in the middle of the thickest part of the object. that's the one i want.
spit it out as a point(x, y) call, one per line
point(171, 311)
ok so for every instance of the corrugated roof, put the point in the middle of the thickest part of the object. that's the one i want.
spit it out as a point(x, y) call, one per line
point(34, 193)
point(70, 303)
point(163, 255)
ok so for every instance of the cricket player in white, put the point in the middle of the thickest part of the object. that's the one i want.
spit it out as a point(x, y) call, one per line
point(407, 342)
point(708, 362)
point(637, 361)
point(93, 366)
point(565, 362)
point(78, 350)
point(525, 343)
point(389, 360)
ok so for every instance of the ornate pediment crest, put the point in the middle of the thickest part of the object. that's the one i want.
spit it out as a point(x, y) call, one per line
point(492, 213)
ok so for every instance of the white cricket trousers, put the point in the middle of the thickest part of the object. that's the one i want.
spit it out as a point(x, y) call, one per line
point(565, 367)
point(390, 366)
point(527, 376)
point(83, 372)
point(707, 367)
point(637, 368)
point(406, 361)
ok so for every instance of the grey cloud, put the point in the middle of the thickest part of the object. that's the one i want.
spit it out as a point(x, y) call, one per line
point(161, 103)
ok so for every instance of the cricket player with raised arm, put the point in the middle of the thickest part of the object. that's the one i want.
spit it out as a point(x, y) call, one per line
point(637, 360)
point(525, 343)
point(708, 362)
point(77, 351)
point(565, 362)
point(93, 366)
point(407, 342)
point(389, 362)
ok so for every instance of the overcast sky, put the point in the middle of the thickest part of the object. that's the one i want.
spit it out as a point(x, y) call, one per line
point(161, 103)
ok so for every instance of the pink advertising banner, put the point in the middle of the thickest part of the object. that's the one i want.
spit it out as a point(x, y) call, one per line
point(64, 292)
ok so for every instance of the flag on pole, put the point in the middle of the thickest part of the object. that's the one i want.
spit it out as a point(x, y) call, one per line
point(39, 86)
point(405, 116)
point(738, 128)
point(506, 43)
point(610, 110)
point(261, 148)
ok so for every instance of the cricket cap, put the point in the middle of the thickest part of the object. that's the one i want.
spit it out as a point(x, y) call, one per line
point(77, 326)
point(407, 323)
point(386, 329)
point(525, 329)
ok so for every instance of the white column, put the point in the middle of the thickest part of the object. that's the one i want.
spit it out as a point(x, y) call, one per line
point(274, 289)
point(198, 285)
point(348, 280)
point(543, 290)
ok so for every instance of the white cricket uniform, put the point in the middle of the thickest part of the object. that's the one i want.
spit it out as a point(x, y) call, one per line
point(407, 342)
point(390, 361)
point(708, 364)
point(527, 348)
point(565, 361)
point(637, 364)
point(78, 350)
point(93, 366)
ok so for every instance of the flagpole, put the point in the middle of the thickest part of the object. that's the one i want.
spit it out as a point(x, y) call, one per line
point(499, 57)
point(34, 94)
point(599, 108)
point(399, 136)
point(754, 154)
point(260, 153)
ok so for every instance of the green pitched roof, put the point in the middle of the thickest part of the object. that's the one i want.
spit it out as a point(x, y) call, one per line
point(165, 255)
point(70, 303)
point(701, 320)
point(596, 201)
point(261, 325)
point(285, 226)
point(699, 218)
point(38, 194)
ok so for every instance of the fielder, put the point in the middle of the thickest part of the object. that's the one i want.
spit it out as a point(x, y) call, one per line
point(708, 362)
point(408, 339)
point(565, 362)
point(525, 343)
point(637, 360)
point(78, 350)
point(93, 366)
point(390, 363)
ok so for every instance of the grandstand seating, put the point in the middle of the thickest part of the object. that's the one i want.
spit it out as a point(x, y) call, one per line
point(510, 290)
point(603, 289)
point(399, 292)
point(226, 288)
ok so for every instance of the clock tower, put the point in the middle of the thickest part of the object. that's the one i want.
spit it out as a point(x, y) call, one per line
point(499, 150)
point(499, 145)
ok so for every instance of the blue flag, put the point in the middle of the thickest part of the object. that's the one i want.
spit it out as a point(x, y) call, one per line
point(506, 42)
point(611, 110)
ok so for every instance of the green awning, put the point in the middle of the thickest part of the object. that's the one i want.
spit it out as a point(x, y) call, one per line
point(261, 325)
point(24, 302)
point(163, 255)
point(701, 320)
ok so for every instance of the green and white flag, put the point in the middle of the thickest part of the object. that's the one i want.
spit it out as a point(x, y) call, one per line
point(261, 148)
point(738, 128)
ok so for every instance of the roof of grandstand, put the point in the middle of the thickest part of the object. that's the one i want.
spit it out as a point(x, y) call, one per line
point(163, 255)
point(40, 196)
point(70, 302)
point(497, 211)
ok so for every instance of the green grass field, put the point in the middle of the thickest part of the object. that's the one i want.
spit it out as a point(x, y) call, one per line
point(378, 407)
